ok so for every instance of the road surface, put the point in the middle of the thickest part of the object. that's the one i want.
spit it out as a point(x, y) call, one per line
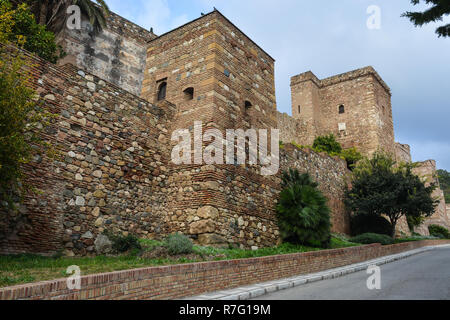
point(425, 276)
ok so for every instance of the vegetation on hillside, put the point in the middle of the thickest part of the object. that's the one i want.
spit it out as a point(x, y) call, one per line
point(332, 147)
point(444, 180)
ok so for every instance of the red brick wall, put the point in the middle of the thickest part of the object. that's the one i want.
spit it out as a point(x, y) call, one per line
point(179, 281)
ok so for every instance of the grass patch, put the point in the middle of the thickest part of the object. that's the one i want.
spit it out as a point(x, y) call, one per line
point(414, 238)
point(26, 268)
point(342, 241)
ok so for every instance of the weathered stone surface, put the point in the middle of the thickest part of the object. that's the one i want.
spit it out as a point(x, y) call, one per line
point(211, 239)
point(80, 201)
point(202, 226)
point(87, 235)
point(102, 244)
point(208, 212)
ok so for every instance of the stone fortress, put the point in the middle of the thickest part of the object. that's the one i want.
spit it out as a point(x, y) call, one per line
point(122, 93)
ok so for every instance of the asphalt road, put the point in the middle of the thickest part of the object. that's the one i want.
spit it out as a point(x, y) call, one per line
point(425, 276)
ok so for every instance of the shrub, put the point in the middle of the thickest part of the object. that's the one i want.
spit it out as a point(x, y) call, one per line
point(327, 144)
point(369, 238)
point(369, 223)
point(351, 156)
point(302, 211)
point(123, 244)
point(439, 232)
point(178, 244)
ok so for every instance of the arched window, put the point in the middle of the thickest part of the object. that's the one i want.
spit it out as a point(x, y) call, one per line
point(248, 105)
point(162, 91)
point(188, 94)
point(299, 110)
point(341, 109)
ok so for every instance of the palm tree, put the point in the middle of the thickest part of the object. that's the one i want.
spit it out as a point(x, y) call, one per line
point(53, 13)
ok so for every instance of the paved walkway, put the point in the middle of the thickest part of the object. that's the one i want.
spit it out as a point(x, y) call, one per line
point(267, 288)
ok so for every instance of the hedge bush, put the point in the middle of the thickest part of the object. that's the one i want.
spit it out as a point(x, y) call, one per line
point(369, 238)
point(439, 232)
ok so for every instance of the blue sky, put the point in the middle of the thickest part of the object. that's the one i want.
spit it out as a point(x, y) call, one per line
point(330, 37)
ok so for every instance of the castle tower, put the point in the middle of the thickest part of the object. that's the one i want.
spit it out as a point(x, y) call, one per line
point(213, 73)
point(306, 104)
point(354, 106)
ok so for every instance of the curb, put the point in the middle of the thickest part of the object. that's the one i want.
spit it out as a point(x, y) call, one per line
point(258, 290)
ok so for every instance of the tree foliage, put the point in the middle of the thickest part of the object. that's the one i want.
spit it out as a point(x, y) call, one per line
point(303, 214)
point(18, 27)
point(444, 180)
point(436, 13)
point(53, 13)
point(22, 119)
point(381, 187)
point(369, 223)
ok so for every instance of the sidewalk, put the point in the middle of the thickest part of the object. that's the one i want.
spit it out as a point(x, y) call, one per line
point(258, 290)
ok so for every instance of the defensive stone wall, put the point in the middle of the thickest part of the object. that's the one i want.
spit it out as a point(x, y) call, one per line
point(110, 173)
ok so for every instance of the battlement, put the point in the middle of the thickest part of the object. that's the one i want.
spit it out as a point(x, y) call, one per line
point(403, 152)
point(343, 77)
point(213, 14)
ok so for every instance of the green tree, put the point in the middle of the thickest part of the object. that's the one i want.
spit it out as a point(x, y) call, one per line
point(19, 26)
point(53, 13)
point(302, 211)
point(380, 187)
point(436, 13)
